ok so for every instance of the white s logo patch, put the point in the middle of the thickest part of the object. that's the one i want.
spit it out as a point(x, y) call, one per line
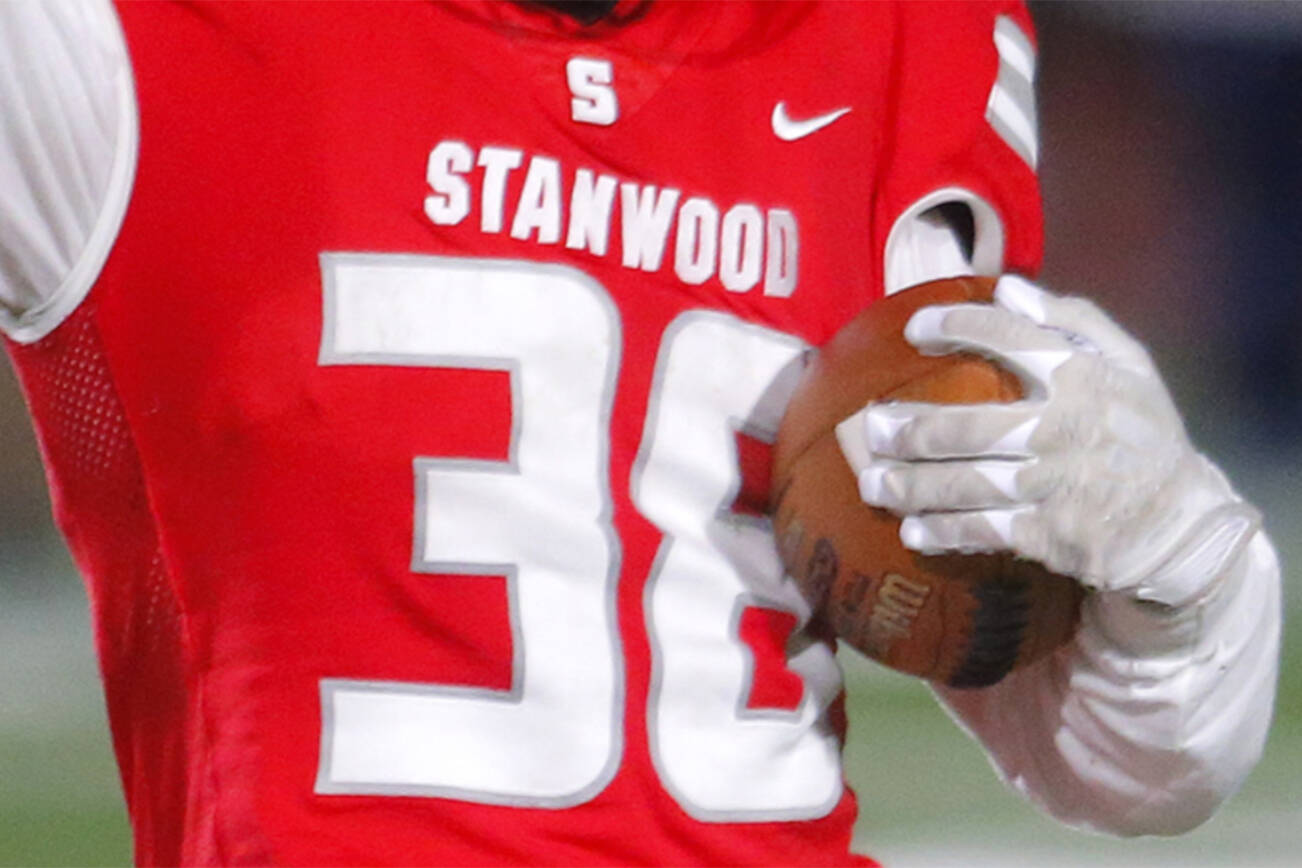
point(594, 100)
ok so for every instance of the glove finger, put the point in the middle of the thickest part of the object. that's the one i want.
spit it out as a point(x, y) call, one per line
point(919, 431)
point(911, 487)
point(1030, 351)
point(1078, 318)
point(987, 530)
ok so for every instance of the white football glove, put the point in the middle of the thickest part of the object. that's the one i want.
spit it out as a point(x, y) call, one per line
point(1091, 474)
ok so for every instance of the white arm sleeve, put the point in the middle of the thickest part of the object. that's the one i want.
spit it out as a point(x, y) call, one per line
point(1153, 715)
point(68, 135)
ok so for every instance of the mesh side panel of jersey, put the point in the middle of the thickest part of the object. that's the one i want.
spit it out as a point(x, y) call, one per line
point(100, 503)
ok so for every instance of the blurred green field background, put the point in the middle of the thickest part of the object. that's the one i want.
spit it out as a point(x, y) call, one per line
point(1153, 121)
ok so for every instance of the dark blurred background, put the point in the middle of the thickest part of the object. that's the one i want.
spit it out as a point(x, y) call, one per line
point(1172, 167)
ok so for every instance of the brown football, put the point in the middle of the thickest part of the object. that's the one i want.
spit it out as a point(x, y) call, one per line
point(961, 620)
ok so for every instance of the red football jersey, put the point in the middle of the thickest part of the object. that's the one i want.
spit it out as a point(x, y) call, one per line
point(412, 439)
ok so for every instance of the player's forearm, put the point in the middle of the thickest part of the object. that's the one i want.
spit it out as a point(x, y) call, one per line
point(1153, 716)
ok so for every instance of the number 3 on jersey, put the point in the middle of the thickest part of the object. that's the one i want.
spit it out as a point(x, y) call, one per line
point(543, 519)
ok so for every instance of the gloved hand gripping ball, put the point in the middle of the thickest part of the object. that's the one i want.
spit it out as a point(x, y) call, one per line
point(964, 620)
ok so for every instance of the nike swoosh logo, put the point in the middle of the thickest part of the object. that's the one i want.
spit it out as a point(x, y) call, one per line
point(788, 130)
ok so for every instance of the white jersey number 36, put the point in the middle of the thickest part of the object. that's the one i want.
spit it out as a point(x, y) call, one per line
point(543, 518)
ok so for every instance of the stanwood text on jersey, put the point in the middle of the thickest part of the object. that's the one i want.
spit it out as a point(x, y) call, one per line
point(739, 246)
